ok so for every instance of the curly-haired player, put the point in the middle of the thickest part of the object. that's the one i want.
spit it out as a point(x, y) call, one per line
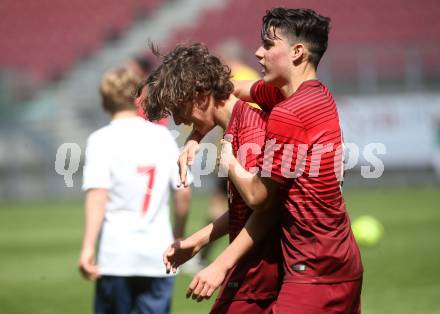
point(195, 88)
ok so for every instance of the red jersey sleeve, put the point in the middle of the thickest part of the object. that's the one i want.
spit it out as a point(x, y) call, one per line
point(252, 139)
point(285, 150)
point(249, 126)
point(265, 95)
point(251, 136)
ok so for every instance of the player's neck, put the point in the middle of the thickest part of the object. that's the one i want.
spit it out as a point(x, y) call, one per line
point(299, 75)
point(124, 114)
point(223, 111)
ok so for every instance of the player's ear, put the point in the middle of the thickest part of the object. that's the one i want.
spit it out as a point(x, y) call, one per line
point(202, 101)
point(298, 51)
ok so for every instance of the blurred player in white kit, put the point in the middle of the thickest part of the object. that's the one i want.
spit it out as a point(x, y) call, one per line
point(130, 168)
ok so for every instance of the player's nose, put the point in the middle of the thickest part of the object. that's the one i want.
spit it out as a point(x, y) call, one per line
point(259, 53)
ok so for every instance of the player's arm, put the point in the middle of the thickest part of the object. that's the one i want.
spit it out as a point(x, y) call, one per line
point(209, 279)
point(254, 190)
point(181, 200)
point(186, 157)
point(95, 202)
point(242, 90)
point(182, 250)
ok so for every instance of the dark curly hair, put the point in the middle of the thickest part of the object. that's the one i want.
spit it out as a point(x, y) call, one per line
point(299, 25)
point(186, 76)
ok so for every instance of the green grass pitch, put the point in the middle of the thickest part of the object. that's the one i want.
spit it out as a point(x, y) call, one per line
point(40, 242)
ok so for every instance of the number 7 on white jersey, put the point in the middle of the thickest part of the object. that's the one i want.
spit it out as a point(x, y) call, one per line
point(150, 171)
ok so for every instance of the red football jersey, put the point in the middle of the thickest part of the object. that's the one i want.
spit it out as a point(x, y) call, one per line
point(304, 151)
point(257, 276)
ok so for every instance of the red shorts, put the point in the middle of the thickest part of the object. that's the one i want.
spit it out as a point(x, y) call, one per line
point(337, 298)
point(242, 306)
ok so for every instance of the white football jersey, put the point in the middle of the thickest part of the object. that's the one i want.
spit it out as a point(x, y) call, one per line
point(136, 161)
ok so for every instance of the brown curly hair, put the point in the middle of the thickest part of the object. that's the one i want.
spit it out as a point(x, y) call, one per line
point(186, 76)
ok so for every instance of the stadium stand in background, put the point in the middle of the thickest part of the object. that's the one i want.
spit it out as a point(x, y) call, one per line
point(370, 41)
point(54, 53)
point(46, 38)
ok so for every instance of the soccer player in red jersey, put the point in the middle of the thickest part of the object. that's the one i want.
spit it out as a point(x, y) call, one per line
point(301, 166)
point(195, 87)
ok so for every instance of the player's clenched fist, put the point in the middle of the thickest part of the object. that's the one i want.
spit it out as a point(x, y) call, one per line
point(179, 253)
point(206, 282)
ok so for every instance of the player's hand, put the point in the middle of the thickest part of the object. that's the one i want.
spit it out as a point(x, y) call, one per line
point(186, 159)
point(225, 155)
point(206, 282)
point(87, 265)
point(179, 253)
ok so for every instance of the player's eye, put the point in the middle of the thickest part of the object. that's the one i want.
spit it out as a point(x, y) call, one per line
point(267, 44)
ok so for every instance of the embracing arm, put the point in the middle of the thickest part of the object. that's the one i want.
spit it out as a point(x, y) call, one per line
point(253, 189)
point(181, 199)
point(209, 279)
point(242, 90)
point(215, 230)
point(182, 250)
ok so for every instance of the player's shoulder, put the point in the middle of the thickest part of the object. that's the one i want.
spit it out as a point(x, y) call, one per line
point(246, 117)
point(284, 120)
point(154, 128)
point(162, 137)
point(100, 134)
point(303, 102)
point(161, 130)
point(309, 92)
point(248, 109)
point(253, 114)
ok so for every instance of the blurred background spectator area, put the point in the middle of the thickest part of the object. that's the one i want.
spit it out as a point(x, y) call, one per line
point(370, 41)
point(46, 38)
point(383, 64)
point(391, 39)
